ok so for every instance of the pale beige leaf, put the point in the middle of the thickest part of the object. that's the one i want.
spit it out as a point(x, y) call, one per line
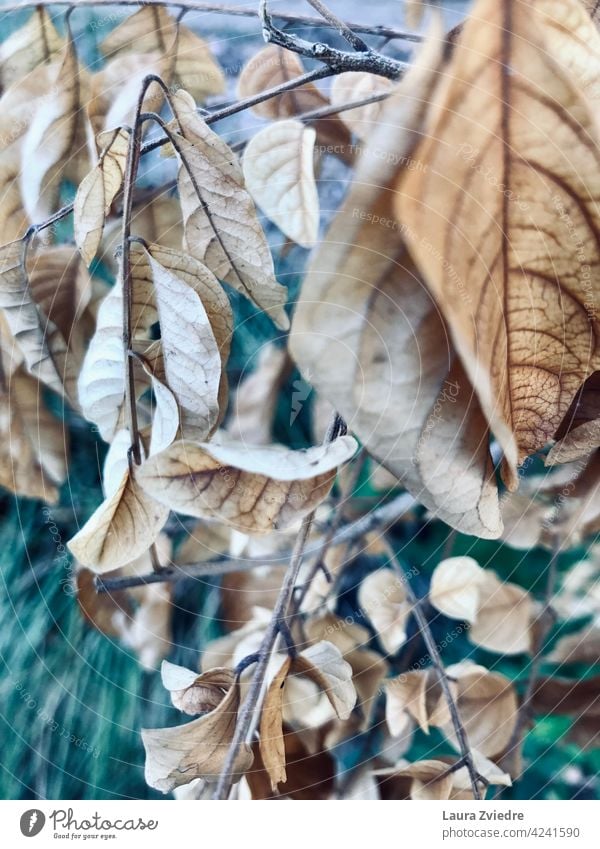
point(55, 144)
point(488, 707)
point(22, 315)
point(192, 693)
point(254, 489)
point(504, 617)
point(455, 588)
point(101, 385)
point(33, 44)
point(192, 360)
point(256, 398)
point(127, 522)
point(60, 285)
point(198, 749)
point(359, 85)
point(279, 173)
point(221, 226)
point(368, 336)
point(98, 190)
point(406, 695)
point(383, 598)
point(324, 664)
point(484, 220)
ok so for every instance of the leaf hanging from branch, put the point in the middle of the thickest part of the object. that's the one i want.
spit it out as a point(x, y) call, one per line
point(279, 172)
point(35, 43)
point(221, 226)
point(253, 489)
point(497, 198)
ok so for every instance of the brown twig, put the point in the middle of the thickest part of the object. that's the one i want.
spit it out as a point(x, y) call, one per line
point(436, 660)
point(219, 9)
point(248, 709)
point(339, 61)
point(382, 517)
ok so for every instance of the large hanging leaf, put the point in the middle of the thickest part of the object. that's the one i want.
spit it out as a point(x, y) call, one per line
point(221, 226)
point(35, 43)
point(504, 223)
point(252, 488)
point(369, 337)
point(279, 173)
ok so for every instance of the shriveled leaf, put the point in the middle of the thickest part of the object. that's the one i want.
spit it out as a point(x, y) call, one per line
point(254, 489)
point(455, 588)
point(383, 598)
point(279, 173)
point(417, 694)
point(517, 300)
point(198, 749)
point(324, 664)
point(221, 226)
point(192, 693)
point(22, 315)
point(272, 747)
point(422, 422)
point(98, 190)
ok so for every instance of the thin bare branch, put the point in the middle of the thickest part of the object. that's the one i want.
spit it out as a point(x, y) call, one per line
point(436, 660)
point(344, 30)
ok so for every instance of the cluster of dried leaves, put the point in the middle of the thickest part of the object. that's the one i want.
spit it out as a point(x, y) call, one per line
point(449, 315)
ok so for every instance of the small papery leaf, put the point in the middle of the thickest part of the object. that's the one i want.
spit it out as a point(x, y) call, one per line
point(98, 190)
point(272, 745)
point(383, 598)
point(221, 226)
point(324, 664)
point(455, 587)
point(504, 617)
point(279, 172)
point(254, 489)
point(198, 749)
point(359, 85)
point(417, 694)
point(22, 315)
point(192, 360)
point(192, 693)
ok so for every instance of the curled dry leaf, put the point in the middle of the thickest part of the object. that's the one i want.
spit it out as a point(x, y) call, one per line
point(415, 694)
point(324, 664)
point(359, 85)
point(488, 707)
point(383, 598)
point(198, 749)
point(192, 360)
point(504, 617)
point(279, 172)
point(22, 315)
point(192, 693)
point(484, 220)
point(221, 226)
point(127, 522)
point(37, 42)
point(455, 588)
point(365, 326)
point(98, 190)
point(254, 489)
